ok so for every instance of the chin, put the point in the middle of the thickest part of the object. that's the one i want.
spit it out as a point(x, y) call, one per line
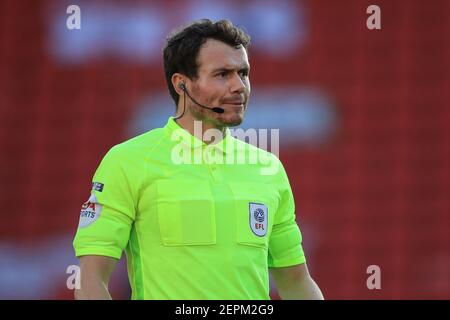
point(232, 121)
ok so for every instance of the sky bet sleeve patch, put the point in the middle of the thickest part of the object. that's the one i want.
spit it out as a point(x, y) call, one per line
point(90, 211)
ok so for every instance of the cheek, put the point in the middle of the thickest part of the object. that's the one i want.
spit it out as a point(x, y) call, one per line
point(215, 95)
point(210, 92)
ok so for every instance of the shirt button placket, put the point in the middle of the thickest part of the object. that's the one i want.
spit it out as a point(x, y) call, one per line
point(214, 169)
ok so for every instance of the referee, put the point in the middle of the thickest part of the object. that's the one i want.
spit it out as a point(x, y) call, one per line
point(196, 217)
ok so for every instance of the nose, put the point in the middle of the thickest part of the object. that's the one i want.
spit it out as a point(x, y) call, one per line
point(237, 85)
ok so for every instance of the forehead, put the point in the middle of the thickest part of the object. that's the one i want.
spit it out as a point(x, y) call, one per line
point(215, 54)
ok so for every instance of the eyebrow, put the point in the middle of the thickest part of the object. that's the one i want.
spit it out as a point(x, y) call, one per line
point(244, 67)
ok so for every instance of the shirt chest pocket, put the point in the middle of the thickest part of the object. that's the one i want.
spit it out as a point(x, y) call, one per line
point(255, 206)
point(186, 214)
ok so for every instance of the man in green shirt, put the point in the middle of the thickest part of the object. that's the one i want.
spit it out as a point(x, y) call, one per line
point(197, 216)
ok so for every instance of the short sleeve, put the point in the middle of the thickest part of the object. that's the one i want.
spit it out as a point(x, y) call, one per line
point(106, 218)
point(285, 243)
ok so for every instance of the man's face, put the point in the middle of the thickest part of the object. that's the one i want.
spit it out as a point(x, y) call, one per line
point(222, 81)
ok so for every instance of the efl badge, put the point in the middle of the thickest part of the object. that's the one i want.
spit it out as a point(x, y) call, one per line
point(90, 211)
point(258, 218)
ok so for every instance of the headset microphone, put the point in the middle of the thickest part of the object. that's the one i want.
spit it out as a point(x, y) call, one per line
point(182, 86)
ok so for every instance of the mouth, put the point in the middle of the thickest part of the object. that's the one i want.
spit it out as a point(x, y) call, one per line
point(235, 100)
point(234, 104)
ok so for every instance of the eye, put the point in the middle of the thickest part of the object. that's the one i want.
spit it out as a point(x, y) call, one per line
point(243, 73)
point(222, 74)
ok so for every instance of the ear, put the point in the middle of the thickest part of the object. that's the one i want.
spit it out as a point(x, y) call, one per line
point(177, 80)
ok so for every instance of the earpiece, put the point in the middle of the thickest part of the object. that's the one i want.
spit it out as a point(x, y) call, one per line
point(182, 86)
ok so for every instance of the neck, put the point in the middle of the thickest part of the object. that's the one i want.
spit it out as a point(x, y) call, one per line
point(198, 128)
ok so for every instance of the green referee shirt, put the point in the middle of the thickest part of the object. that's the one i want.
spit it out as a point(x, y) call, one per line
point(197, 221)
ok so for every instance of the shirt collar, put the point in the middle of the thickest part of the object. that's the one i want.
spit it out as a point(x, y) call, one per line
point(177, 133)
